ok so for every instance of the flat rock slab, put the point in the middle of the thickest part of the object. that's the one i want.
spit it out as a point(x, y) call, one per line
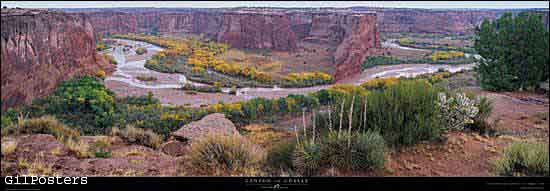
point(211, 124)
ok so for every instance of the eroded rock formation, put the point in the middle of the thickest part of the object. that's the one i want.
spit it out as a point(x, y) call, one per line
point(41, 48)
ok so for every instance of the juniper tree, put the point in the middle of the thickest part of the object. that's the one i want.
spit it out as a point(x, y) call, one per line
point(514, 52)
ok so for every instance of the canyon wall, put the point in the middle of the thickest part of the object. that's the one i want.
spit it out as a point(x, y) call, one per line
point(361, 39)
point(40, 49)
point(255, 30)
point(353, 36)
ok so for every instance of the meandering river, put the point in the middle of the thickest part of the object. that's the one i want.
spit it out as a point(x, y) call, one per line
point(124, 80)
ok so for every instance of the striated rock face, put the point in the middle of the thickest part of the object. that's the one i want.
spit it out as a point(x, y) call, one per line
point(254, 30)
point(359, 38)
point(40, 49)
point(423, 21)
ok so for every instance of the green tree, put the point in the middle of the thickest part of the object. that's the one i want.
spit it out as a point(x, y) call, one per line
point(514, 51)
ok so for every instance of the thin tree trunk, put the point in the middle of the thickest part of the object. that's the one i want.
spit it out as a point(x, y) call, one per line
point(313, 139)
point(297, 137)
point(350, 119)
point(330, 118)
point(304, 123)
point(341, 117)
point(365, 116)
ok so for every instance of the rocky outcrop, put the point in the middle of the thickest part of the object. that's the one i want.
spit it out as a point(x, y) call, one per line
point(211, 124)
point(40, 49)
point(359, 40)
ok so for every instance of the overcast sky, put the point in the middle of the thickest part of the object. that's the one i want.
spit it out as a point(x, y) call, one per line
point(221, 4)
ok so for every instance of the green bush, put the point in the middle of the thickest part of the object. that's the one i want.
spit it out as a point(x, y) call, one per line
point(82, 102)
point(524, 159)
point(367, 151)
point(279, 157)
point(358, 151)
point(405, 113)
point(218, 155)
point(100, 147)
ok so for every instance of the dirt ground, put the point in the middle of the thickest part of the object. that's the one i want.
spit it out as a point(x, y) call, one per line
point(519, 116)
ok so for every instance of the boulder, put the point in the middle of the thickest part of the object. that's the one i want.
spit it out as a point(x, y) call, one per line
point(174, 148)
point(213, 123)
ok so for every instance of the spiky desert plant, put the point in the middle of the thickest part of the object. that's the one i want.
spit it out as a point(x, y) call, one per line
point(307, 159)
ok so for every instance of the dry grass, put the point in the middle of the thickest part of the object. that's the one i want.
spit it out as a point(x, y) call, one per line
point(132, 152)
point(264, 135)
point(78, 148)
point(217, 155)
point(8, 147)
point(139, 136)
point(44, 125)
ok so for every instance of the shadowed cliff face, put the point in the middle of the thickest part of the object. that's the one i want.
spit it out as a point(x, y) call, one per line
point(40, 49)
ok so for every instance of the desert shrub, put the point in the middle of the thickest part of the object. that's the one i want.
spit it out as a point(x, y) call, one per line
point(8, 117)
point(160, 119)
point(78, 148)
point(100, 74)
point(307, 79)
point(446, 55)
point(140, 136)
point(404, 113)
point(358, 151)
point(367, 151)
point(524, 159)
point(279, 157)
point(44, 125)
point(380, 60)
point(8, 147)
point(100, 147)
point(146, 78)
point(307, 158)
point(224, 155)
point(82, 102)
point(139, 100)
point(208, 89)
point(100, 46)
point(379, 83)
point(457, 111)
point(485, 107)
point(141, 51)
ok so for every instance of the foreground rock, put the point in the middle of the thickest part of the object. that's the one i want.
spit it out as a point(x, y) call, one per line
point(41, 154)
point(213, 123)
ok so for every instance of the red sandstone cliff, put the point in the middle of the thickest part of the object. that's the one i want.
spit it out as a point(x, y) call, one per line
point(40, 49)
point(254, 30)
point(361, 39)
